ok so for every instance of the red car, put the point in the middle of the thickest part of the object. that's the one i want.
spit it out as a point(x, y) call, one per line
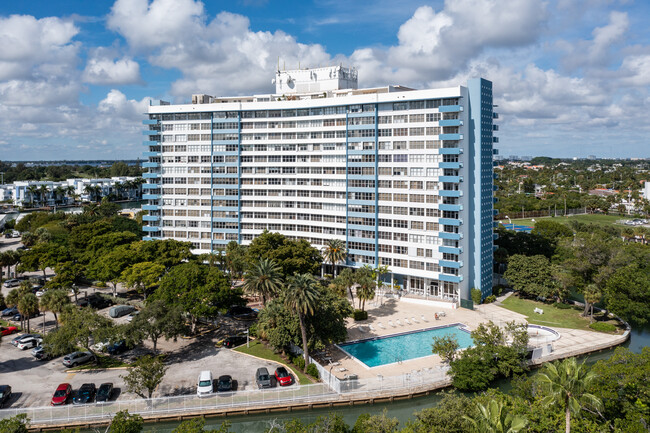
point(283, 377)
point(61, 395)
point(8, 331)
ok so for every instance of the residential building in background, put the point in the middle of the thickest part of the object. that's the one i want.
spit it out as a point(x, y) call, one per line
point(403, 176)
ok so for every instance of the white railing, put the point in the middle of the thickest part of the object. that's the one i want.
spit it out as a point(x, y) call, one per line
point(347, 390)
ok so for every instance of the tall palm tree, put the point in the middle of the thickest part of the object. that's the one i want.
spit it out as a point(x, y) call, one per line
point(33, 191)
point(348, 278)
point(334, 252)
point(264, 278)
point(27, 306)
point(54, 300)
point(71, 192)
point(366, 286)
point(301, 298)
point(565, 384)
point(59, 193)
point(592, 294)
point(43, 190)
point(493, 418)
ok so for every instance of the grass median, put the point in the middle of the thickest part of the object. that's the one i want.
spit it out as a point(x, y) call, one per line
point(261, 351)
point(585, 218)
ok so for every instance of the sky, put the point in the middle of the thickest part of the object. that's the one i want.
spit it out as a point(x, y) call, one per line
point(571, 77)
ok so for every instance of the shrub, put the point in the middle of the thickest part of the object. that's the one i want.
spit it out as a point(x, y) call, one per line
point(562, 306)
point(299, 362)
point(360, 315)
point(603, 327)
point(489, 299)
point(100, 284)
point(252, 330)
point(312, 371)
point(476, 296)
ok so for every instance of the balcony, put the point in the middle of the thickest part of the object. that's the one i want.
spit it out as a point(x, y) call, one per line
point(151, 228)
point(450, 278)
point(150, 207)
point(150, 165)
point(451, 207)
point(455, 165)
point(450, 108)
point(451, 179)
point(150, 186)
point(450, 122)
point(155, 142)
point(450, 221)
point(450, 136)
point(150, 196)
point(450, 250)
point(452, 236)
point(450, 151)
point(150, 132)
point(450, 193)
point(151, 175)
point(495, 127)
point(449, 264)
point(495, 139)
point(148, 154)
point(150, 218)
point(150, 121)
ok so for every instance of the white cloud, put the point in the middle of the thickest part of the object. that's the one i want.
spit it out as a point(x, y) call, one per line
point(117, 104)
point(635, 70)
point(104, 70)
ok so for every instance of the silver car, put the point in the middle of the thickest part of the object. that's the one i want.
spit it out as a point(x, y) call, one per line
point(77, 358)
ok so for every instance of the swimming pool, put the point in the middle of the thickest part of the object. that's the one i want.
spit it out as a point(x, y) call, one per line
point(377, 351)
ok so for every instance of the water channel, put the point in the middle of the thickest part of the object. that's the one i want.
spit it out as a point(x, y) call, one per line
point(402, 410)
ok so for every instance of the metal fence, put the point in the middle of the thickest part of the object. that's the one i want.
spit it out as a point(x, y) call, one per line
point(331, 389)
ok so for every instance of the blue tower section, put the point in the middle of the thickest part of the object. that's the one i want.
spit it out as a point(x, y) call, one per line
point(481, 183)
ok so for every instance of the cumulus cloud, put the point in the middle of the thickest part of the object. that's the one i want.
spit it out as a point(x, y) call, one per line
point(117, 104)
point(105, 70)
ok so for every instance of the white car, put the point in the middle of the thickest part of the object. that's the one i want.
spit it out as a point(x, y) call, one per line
point(28, 343)
point(204, 387)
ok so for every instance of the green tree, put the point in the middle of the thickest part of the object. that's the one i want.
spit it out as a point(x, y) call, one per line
point(80, 327)
point(566, 384)
point(235, 259)
point(476, 296)
point(531, 275)
point(552, 230)
point(366, 286)
point(264, 278)
point(27, 307)
point(68, 276)
point(197, 425)
point(302, 297)
point(109, 266)
point(445, 347)
point(592, 295)
point(143, 276)
point(627, 292)
point(42, 256)
point(375, 424)
point(348, 279)
point(15, 424)
point(187, 282)
point(124, 422)
point(157, 320)
point(334, 252)
point(146, 373)
point(494, 418)
point(54, 300)
point(444, 417)
point(294, 257)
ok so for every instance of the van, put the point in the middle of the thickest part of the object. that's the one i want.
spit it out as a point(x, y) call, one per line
point(204, 386)
point(120, 310)
point(12, 283)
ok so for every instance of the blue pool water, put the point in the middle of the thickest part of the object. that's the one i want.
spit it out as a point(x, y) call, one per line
point(400, 347)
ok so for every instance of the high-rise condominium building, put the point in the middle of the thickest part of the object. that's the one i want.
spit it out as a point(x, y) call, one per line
point(403, 176)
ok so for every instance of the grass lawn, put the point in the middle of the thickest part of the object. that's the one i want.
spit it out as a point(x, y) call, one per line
point(261, 351)
point(103, 361)
point(8, 324)
point(569, 318)
point(588, 218)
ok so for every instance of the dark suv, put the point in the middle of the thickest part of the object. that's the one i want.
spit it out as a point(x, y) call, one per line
point(234, 341)
point(263, 378)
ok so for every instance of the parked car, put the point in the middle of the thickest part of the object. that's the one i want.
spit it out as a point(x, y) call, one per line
point(204, 387)
point(94, 301)
point(28, 343)
point(120, 310)
point(85, 394)
point(61, 395)
point(8, 330)
point(11, 311)
point(262, 378)
point(234, 341)
point(104, 393)
point(283, 377)
point(77, 358)
point(224, 384)
point(117, 347)
point(14, 282)
point(18, 317)
point(20, 338)
point(39, 353)
point(5, 394)
point(131, 316)
point(241, 313)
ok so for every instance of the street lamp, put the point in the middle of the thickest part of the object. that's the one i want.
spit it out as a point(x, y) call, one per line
point(509, 220)
point(247, 338)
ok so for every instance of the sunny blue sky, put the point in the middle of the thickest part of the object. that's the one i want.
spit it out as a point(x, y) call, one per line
point(571, 77)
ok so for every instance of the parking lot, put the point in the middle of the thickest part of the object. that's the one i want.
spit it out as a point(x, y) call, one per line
point(33, 381)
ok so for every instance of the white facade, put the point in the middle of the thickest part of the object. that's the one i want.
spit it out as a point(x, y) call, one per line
point(398, 175)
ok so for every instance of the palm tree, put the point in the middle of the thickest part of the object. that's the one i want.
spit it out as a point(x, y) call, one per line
point(592, 295)
point(43, 191)
point(27, 306)
point(565, 384)
point(348, 278)
point(59, 193)
point(301, 298)
point(71, 192)
point(54, 300)
point(366, 288)
point(33, 190)
point(264, 278)
point(492, 418)
point(334, 252)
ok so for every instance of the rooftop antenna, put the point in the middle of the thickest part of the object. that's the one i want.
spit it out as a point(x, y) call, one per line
point(278, 63)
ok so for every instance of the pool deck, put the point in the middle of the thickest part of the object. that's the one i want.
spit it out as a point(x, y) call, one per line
point(572, 342)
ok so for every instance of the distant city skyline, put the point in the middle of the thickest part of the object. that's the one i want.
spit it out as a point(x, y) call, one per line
point(571, 77)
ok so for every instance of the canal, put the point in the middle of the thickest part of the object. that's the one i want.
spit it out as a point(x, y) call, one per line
point(402, 410)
